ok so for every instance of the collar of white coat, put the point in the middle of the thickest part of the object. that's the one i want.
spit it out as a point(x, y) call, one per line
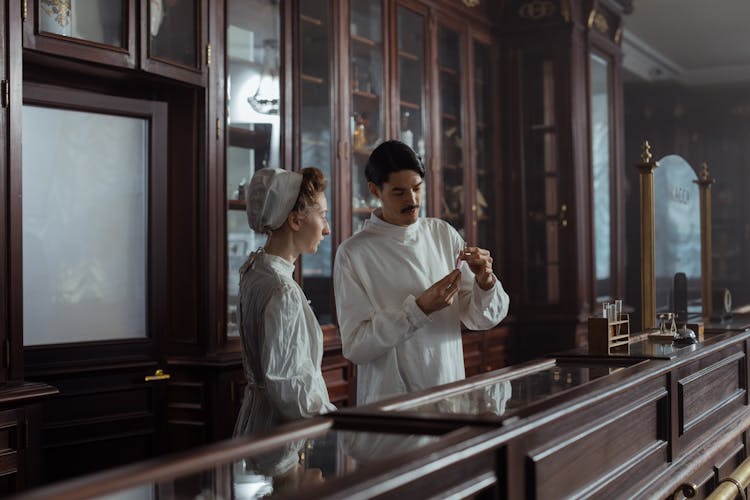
point(401, 233)
point(278, 264)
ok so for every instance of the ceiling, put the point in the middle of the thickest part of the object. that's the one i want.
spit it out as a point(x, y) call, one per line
point(695, 42)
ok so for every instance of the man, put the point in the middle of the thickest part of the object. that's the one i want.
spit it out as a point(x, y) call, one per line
point(402, 287)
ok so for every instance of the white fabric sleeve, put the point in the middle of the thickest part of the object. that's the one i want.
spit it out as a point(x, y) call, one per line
point(290, 376)
point(480, 309)
point(368, 333)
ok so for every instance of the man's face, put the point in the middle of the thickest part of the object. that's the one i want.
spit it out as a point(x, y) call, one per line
point(400, 197)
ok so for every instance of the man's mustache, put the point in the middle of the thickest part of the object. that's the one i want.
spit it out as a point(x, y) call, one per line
point(409, 208)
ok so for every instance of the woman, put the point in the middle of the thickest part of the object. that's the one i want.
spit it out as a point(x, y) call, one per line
point(282, 343)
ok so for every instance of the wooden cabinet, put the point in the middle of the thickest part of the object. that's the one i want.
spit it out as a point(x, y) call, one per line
point(485, 351)
point(555, 278)
point(163, 37)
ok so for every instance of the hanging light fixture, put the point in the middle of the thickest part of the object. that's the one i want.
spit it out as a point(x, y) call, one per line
point(268, 94)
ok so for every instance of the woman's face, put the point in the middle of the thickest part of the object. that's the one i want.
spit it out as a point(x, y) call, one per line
point(313, 226)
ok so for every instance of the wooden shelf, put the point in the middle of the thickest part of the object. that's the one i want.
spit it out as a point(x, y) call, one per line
point(410, 105)
point(312, 79)
point(449, 116)
point(408, 55)
point(310, 142)
point(448, 71)
point(249, 139)
point(362, 210)
point(540, 127)
point(244, 62)
point(365, 95)
point(311, 20)
point(236, 204)
point(364, 41)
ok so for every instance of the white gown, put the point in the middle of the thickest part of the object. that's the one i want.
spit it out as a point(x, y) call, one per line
point(378, 274)
point(282, 347)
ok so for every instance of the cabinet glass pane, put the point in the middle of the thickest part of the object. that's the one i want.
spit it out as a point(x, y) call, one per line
point(85, 209)
point(541, 184)
point(366, 72)
point(600, 155)
point(316, 141)
point(452, 207)
point(485, 194)
point(411, 78)
point(253, 123)
point(101, 21)
point(173, 31)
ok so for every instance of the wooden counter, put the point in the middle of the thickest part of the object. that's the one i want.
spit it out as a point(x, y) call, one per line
point(552, 428)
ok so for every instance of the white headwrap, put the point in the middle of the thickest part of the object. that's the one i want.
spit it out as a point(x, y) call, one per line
point(270, 198)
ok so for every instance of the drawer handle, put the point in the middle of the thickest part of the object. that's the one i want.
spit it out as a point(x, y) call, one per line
point(158, 375)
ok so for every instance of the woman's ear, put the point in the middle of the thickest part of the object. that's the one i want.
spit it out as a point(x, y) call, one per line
point(295, 220)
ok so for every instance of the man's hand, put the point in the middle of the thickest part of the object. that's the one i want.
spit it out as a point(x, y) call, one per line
point(480, 263)
point(441, 294)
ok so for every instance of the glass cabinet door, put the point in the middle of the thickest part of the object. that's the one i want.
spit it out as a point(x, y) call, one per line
point(93, 30)
point(316, 142)
point(484, 201)
point(452, 161)
point(600, 163)
point(411, 83)
point(253, 123)
point(544, 214)
point(172, 40)
point(367, 105)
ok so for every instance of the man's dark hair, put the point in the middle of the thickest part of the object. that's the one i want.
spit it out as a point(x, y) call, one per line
point(391, 156)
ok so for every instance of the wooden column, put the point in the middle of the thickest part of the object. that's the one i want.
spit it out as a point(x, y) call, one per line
point(704, 186)
point(648, 279)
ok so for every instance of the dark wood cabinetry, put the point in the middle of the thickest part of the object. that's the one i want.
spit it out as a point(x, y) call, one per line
point(554, 278)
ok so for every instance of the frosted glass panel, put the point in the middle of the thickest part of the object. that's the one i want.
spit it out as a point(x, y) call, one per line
point(84, 226)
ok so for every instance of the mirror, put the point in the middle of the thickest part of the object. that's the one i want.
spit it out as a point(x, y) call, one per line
point(677, 231)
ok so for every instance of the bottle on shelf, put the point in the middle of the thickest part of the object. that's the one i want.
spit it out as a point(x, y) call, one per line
point(407, 136)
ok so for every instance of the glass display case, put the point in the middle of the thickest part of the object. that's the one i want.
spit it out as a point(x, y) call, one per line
point(495, 397)
point(173, 38)
point(485, 201)
point(101, 31)
point(452, 156)
point(545, 215)
point(316, 141)
point(367, 101)
point(319, 458)
point(253, 123)
point(412, 97)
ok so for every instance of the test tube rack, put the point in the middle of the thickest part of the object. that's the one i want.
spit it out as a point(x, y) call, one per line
point(609, 336)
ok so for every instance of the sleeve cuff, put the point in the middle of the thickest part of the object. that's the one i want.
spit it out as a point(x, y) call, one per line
point(484, 297)
point(416, 317)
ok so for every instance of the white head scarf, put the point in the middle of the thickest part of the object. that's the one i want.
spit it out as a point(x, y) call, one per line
point(270, 198)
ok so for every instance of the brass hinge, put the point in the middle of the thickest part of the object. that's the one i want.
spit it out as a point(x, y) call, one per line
point(343, 150)
point(218, 128)
point(208, 55)
point(25, 10)
point(5, 89)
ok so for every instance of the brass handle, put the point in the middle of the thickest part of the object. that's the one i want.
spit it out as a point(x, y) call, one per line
point(158, 375)
point(564, 215)
point(688, 490)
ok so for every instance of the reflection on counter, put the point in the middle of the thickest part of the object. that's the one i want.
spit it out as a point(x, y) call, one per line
point(287, 469)
point(504, 395)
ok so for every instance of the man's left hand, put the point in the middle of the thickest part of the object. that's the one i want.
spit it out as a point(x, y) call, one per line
point(480, 263)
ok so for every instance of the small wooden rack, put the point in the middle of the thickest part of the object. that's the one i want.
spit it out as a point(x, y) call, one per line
point(609, 337)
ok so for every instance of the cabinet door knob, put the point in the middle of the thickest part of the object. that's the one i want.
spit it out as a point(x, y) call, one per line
point(564, 215)
point(158, 375)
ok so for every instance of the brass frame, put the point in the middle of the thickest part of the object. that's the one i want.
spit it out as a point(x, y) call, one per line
point(648, 279)
point(704, 182)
